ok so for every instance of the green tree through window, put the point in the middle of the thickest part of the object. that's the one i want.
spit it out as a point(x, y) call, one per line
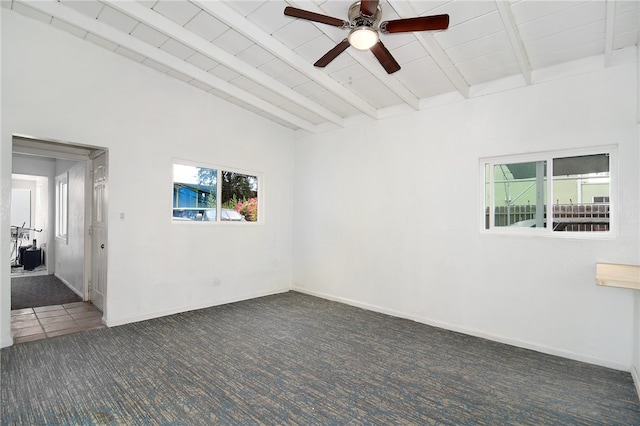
point(237, 186)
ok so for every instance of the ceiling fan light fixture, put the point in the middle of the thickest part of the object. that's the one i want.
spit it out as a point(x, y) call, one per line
point(363, 38)
point(365, 27)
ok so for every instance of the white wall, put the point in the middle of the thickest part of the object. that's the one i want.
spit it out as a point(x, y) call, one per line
point(388, 218)
point(70, 253)
point(45, 169)
point(56, 86)
point(635, 368)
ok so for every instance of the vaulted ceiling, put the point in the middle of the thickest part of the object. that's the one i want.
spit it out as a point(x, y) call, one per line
point(251, 54)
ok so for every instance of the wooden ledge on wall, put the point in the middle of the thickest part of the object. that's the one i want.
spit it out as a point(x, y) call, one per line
point(614, 275)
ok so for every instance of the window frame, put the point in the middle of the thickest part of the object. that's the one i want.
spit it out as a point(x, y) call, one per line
point(219, 169)
point(548, 156)
point(62, 207)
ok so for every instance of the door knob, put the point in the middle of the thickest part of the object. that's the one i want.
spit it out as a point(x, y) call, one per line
point(101, 246)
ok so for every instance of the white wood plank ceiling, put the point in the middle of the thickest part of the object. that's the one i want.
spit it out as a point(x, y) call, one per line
point(250, 53)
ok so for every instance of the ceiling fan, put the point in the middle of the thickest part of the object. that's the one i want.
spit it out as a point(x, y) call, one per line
point(364, 23)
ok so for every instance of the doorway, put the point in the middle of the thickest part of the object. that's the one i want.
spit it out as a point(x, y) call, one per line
point(69, 266)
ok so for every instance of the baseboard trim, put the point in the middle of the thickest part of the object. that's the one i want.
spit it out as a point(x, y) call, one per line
point(6, 342)
point(111, 322)
point(65, 282)
point(636, 379)
point(469, 331)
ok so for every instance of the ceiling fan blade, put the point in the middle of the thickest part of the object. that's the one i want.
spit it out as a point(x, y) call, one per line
point(423, 23)
point(316, 17)
point(369, 7)
point(384, 56)
point(332, 54)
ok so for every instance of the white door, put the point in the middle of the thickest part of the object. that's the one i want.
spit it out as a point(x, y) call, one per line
point(99, 231)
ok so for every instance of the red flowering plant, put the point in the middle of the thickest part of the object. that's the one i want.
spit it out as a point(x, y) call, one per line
point(248, 209)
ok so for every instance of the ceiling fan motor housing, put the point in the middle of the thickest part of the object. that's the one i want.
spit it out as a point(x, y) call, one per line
point(357, 19)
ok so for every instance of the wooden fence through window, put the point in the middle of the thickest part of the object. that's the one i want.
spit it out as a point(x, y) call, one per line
point(566, 217)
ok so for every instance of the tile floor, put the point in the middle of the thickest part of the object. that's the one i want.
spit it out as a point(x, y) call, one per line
point(31, 324)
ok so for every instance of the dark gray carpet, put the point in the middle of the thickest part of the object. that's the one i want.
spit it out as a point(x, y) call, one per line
point(40, 290)
point(296, 359)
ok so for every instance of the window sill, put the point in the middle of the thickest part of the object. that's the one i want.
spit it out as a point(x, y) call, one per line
point(544, 233)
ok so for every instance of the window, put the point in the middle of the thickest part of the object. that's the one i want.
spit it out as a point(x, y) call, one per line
point(197, 196)
point(518, 192)
point(62, 206)
point(239, 193)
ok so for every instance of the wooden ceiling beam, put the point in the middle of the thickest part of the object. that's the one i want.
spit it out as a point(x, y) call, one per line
point(514, 37)
point(177, 32)
point(94, 26)
point(245, 27)
point(439, 56)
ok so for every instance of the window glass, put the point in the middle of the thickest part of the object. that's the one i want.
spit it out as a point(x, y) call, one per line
point(194, 193)
point(519, 194)
point(581, 193)
point(239, 197)
point(62, 206)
